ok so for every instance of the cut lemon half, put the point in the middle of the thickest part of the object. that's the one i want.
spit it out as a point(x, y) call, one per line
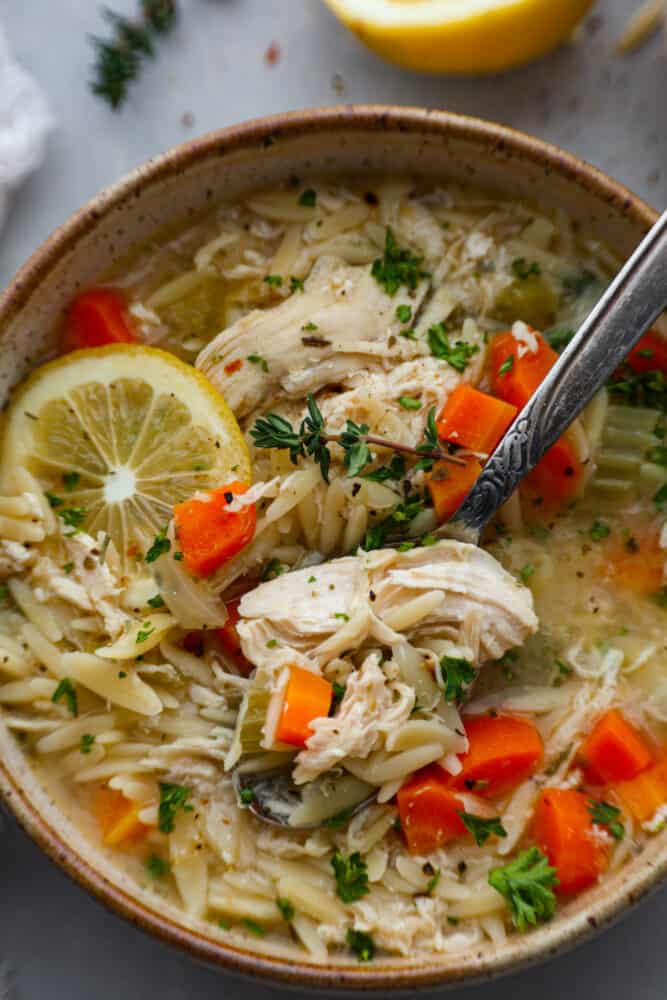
point(461, 36)
point(117, 435)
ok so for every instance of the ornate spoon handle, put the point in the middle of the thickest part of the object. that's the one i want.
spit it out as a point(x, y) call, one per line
point(633, 301)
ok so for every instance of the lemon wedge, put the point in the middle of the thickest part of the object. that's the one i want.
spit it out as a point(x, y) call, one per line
point(117, 435)
point(461, 36)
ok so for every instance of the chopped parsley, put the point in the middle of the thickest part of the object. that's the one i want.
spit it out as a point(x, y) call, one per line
point(342, 615)
point(156, 602)
point(403, 313)
point(507, 365)
point(156, 866)
point(361, 943)
point(456, 673)
point(145, 632)
point(647, 389)
point(286, 909)
point(86, 745)
point(351, 876)
point(523, 269)
point(338, 694)
point(526, 572)
point(257, 359)
point(271, 643)
point(246, 795)
point(68, 567)
point(559, 337)
point(308, 198)
point(178, 556)
point(408, 403)
point(604, 814)
point(397, 267)
point(339, 820)
point(4, 592)
point(563, 669)
point(296, 285)
point(254, 927)
point(161, 544)
point(67, 691)
point(172, 798)
point(576, 284)
point(660, 498)
point(453, 921)
point(527, 884)
point(309, 327)
point(272, 569)
point(395, 470)
point(482, 828)
point(73, 517)
point(274, 280)
point(54, 501)
point(71, 480)
point(657, 455)
point(599, 530)
point(432, 882)
point(458, 355)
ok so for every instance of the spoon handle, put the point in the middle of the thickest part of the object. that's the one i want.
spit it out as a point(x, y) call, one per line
point(631, 303)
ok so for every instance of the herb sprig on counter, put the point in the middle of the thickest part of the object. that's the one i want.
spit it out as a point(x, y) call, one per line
point(313, 439)
point(119, 59)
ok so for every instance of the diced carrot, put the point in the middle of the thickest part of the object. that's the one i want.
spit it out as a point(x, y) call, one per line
point(429, 811)
point(96, 318)
point(118, 818)
point(208, 533)
point(638, 566)
point(515, 378)
point(307, 697)
point(474, 420)
point(503, 751)
point(643, 795)
point(650, 354)
point(230, 640)
point(558, 476)
point(613, 751)
point(563, 828)
point(450, 484)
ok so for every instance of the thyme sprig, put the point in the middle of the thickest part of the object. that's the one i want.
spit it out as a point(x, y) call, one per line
point(119, 59)
point(313, 439)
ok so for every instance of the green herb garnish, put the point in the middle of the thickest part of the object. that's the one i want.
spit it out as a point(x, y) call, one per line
point(66, 690)
point(482, 828)
point(172, 798)
point(308, 198)
point(523, 269)
point(456, 673)
point(161, 544)
point(351, 876)
point(361, 944)
point(599, 530)
point(156, 866)
point(286, 909)
point(527, 884)
point(86, 744)
point(604, 814)
point(156, 602)
point(257, 359)
point(458, 355)
point(398, 267)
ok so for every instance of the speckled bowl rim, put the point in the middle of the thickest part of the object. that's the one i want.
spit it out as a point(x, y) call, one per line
point(387, 975)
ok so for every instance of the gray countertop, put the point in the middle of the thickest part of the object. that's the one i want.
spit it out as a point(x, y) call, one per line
point(56, 942)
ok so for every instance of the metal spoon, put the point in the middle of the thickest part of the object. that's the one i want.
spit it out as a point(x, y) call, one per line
point(631, 303)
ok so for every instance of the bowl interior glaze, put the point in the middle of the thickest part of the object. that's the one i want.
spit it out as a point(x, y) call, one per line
point(181, 185)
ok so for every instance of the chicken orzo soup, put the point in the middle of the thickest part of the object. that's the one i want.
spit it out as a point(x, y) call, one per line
point(219, 559)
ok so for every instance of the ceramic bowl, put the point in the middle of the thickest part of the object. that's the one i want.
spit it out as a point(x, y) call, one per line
point(179, 185)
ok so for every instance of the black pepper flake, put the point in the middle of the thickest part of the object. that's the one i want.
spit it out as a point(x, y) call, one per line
point(372, 595)
point(355, 488)
point(228, 497)
point(371, 198)
point(315, 342)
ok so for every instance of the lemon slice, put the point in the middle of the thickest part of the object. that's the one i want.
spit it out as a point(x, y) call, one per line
point(118, 435)
point(461, 36)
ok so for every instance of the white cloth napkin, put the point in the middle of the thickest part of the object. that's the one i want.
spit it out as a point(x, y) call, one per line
point(25, 121)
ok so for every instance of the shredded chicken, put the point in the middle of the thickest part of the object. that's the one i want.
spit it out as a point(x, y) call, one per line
point(451, 591)
point(14, 558)
point(370, 708)
point(341, 325)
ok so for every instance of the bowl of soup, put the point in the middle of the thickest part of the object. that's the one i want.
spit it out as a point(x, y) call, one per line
point(250, 695)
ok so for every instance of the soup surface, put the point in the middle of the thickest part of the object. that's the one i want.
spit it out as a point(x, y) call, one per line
point(222, 575)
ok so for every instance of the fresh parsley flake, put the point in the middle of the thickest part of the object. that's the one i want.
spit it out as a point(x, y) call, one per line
point(274, 280)
point(156, 866)
point(457, 356)
point(161, 544)
point(156, 602)
point(71, 480)
point(604, 814)
point(309, 327)
point(526, 572)
point(286, 909)
point(351, 876)
point(145, 632)
point(172, 798)
point(257, 359)
point(254, 927)
point(342, 616)
point(178, 556)
point(68, 567)
point(86, 744)
point(361, 944)
point(482, 828)
point(296, 285)
point(246, 795)
point(54, 501)
point(272, 569)
point(660, 498)
point(599, 530)
point(403, 313)
point(523, 269)
point(432, 882)
point(456, 674)
point(527, 884)
point(308, 198)
point(66, 690)
point(271, 643)
point(340, 819)
point(73, 517)
point(338, 694)
point(397, 267)
point(507, 365)
point(559, 337)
